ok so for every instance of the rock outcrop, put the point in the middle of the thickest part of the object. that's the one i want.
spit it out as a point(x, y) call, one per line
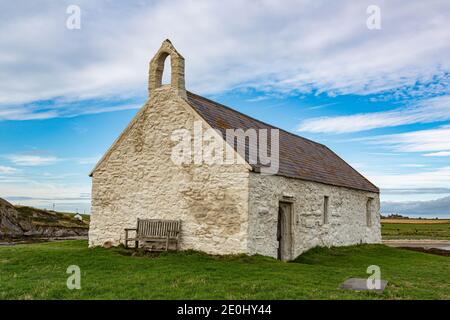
point(20, 222)
point(9, 220)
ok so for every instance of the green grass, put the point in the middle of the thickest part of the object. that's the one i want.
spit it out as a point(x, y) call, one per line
point(38, 271)
point(438, 231)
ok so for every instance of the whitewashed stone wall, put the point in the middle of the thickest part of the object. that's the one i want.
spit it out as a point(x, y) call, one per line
point(139, 179)
point(346, 215)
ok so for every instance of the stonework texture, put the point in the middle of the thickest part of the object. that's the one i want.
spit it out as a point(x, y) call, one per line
point(137, 179)
point(156, 69)
point(347, 224)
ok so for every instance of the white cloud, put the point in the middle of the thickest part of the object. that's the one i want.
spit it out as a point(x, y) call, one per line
point(416, 141)
point(69, 191)
point(66, 195)
point(32, 160)
point(297, 46)
point(426, 184)
point(257, 99)
point(438, 154)
point(62, 109)
point(88, 160)
point(8, 170)
point(416, 191)
point(413, 165)
point(426, 111)
point(320, 106)
point(435, 178)
point(43, 160)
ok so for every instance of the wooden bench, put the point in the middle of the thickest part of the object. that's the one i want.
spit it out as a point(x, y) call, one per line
point(156, 231)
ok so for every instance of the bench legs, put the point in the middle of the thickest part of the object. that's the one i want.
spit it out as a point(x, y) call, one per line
point(127, 239)
point(136, 242)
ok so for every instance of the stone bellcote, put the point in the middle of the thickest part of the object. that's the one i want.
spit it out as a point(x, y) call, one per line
point(157, 68)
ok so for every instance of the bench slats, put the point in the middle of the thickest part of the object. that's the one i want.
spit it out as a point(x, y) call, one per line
point(157, 230)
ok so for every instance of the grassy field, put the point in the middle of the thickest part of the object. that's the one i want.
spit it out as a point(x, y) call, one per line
point(415, 229)
point(38, 271)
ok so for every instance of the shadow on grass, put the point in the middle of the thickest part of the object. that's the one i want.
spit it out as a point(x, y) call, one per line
point(243, 258)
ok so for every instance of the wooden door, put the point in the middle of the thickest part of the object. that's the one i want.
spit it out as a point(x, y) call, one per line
point(284, 231)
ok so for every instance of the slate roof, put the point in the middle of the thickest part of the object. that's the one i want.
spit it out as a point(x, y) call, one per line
point(298, 157)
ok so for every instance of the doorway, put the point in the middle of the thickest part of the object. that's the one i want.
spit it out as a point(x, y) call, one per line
point(284, 231)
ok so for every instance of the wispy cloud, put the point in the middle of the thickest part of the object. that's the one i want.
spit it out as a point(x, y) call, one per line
point(388, 154)
point(300, 46)
point(438, 154)
point(88, 160)
point(257, 99)
point(404, 191)
point(8, 170)
point(433, 178)
point(416, 141)
point(413, 165)
point(35, 159)
point(426, 111)
point(61, 109)
point(320, 106)
point(32, 160)
point(43, 192)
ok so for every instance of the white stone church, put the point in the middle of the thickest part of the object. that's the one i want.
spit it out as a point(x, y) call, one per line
point(312, 198)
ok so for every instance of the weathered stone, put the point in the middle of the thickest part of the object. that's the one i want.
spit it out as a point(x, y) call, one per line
point(107, 245)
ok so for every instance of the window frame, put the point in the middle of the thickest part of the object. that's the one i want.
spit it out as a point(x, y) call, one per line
point(369, 206)
point(326, 209)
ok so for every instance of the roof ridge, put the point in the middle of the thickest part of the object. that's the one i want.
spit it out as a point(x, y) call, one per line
point(250, 117)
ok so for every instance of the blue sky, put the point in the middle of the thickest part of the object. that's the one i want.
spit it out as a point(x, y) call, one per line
point(379, 98)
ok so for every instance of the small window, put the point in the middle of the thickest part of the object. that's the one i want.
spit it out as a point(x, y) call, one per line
point(369, 212)
point(325, 209)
